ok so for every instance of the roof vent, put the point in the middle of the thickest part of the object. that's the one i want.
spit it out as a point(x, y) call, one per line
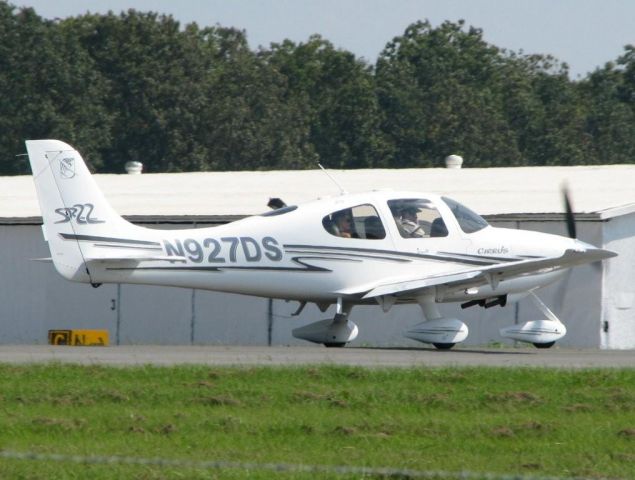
point(133, 168)
point(453, 161)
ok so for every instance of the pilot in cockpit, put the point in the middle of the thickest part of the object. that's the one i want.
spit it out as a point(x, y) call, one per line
point(343, 222)
point(409, 223)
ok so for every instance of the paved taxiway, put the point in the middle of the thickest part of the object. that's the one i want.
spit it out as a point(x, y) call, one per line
point(307, 355)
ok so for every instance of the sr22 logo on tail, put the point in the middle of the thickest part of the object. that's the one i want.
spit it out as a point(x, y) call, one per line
point(82, 213)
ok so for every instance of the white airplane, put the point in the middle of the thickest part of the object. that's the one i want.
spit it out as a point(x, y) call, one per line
point(379, 247)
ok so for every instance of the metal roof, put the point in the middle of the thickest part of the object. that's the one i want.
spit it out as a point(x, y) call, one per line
point(603, 191)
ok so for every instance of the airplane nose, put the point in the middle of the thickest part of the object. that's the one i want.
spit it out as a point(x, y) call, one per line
point(592, 250)
point(580, 245)
point(583, 246)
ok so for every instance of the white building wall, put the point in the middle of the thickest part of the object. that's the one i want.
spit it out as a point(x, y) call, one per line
point(154, 315)
point(229, 319)
point(34, 298)
point(23, 288)
point(618, 290)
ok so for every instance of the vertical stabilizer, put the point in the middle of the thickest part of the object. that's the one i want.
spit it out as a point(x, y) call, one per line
point(73, 207)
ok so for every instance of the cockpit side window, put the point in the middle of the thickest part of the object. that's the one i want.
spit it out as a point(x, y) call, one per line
point(469, 221)
point(417, 218)
point(361, 221)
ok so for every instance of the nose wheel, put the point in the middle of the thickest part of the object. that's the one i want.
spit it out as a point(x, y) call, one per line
point(542, 333)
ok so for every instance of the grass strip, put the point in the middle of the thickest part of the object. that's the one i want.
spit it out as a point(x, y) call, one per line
point(508, 421)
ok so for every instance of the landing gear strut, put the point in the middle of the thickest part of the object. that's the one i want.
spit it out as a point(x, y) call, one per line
point(335, 332)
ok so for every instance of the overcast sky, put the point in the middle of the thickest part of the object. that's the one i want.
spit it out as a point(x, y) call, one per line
point(583, 33)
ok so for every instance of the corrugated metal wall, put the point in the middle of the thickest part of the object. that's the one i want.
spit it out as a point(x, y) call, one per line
point(618, 289)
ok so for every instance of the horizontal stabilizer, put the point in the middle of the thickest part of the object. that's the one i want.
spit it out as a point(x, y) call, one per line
point(136, 259)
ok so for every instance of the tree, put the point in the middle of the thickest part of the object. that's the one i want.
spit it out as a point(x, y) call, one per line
point(155, 87)
point(139, 86)
point(445, 90)
point(610, 120)
point(441, 92)
point(338, 92)
point(626, 63)
point(49, 89)
point(251, 122)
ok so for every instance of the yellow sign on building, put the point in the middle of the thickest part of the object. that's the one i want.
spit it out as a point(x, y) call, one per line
point(90, 338)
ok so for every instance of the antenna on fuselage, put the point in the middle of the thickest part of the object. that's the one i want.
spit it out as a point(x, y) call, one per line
point(342, 191)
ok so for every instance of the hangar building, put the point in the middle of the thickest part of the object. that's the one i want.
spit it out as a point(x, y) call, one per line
point(596, 303)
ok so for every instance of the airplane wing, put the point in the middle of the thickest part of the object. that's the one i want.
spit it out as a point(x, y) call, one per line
point(492, 274)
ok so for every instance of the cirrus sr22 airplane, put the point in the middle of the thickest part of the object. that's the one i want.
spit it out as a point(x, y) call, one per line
point(382, 248)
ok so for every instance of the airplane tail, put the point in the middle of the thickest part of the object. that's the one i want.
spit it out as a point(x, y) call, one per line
point(77, 218)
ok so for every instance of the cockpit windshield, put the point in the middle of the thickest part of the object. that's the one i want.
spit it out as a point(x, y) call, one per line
point(469, 221)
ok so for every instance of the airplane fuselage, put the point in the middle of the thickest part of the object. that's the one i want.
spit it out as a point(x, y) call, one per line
point(291, 254)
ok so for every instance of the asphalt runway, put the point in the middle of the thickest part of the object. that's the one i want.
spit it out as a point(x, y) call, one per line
point(316, 355)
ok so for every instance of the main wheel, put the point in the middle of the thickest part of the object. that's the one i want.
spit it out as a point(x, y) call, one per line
point(444, 346)
point(335, 345)
point(544, 345)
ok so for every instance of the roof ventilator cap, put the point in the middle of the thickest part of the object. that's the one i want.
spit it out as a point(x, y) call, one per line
point(133, 167)
point(453, 161)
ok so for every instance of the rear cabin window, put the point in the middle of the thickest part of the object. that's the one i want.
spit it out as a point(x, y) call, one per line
point(417, 218)
point(361, 221)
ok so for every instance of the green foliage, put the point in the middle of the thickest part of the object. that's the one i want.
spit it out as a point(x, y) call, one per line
point(140, 86)
point(540, 422)
point(609, 94)
point(441, 92)
point(339, 97)
point(49, 88)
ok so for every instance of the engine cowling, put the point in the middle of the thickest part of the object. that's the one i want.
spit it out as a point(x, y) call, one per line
point(535, 331)
point(439, 331)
